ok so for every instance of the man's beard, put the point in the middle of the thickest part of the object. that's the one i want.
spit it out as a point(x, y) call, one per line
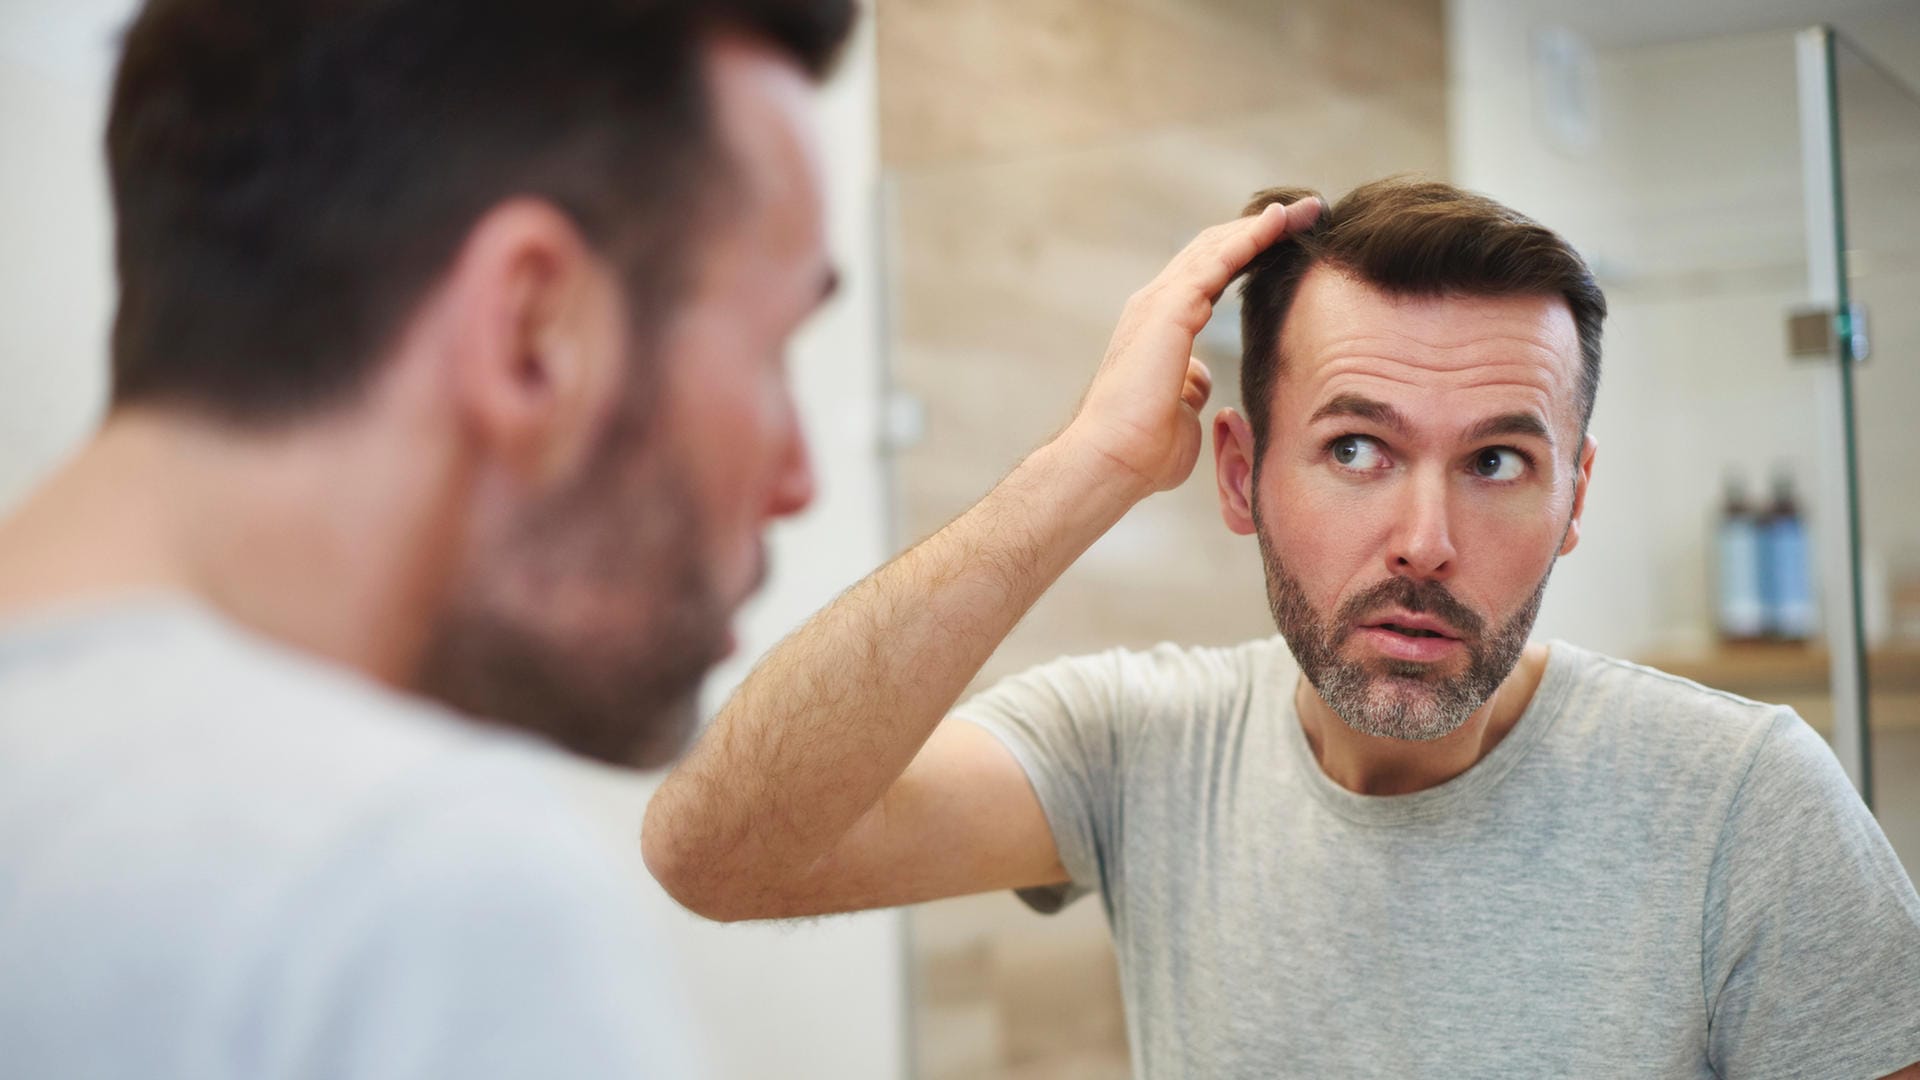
point(1395, 699)
point(595, 623)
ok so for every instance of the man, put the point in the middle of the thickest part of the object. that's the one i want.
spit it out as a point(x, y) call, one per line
point(448, 360)
point(1418, 846)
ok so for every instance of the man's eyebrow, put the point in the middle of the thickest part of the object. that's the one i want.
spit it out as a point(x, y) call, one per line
point(1509, 425)
point(1361, 408)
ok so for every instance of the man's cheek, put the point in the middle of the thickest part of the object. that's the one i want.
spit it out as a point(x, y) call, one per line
point(1313, 552)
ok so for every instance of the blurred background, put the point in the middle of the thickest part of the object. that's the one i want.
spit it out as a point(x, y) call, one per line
point(1744, 176)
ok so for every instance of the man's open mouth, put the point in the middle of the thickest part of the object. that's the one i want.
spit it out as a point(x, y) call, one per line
point(1410, 631)
point(1413, 624)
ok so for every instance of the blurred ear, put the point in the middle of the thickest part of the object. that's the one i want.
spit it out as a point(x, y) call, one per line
point(537, 322)
point(1233, 459)
point(1582, 477)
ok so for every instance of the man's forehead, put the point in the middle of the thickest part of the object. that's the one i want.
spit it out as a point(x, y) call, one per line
point(1343, 335)
point(771, 229)
point(764, 106)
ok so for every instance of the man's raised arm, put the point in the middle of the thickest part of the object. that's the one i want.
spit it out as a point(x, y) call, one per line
point(823, 784)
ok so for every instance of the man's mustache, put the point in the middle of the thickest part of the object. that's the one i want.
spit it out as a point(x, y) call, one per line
point(1418, 597)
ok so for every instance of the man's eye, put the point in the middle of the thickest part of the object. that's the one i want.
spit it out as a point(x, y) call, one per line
point(1499, 463)
point(1356, 452)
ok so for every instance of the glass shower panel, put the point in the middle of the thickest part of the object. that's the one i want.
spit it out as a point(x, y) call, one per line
point(1877, 129)
point(1707, 415)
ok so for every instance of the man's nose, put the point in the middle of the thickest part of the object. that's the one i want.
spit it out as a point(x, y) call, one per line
point(1422, 543)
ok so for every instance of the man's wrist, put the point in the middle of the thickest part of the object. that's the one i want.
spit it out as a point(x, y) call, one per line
point(1109, 487)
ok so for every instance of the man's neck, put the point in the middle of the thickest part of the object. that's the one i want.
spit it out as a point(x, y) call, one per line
point(323, 543)
point(1373, 765)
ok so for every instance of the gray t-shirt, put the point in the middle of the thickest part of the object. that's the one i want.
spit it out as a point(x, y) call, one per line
point(222, 860)
point(1644, 878)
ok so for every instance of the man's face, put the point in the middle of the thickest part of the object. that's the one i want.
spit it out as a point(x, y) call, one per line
point(595, 617)
point(1418, 483)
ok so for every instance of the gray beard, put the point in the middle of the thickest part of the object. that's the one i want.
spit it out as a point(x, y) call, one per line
point(1395, 699)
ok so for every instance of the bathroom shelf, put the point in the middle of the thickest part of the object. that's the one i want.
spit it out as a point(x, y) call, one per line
point(1798, 675)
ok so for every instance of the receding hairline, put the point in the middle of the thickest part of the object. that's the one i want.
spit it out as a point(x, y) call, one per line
point(1407, 236)
point(1566, 353)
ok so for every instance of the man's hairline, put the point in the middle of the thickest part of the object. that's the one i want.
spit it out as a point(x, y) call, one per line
point(1583, 410)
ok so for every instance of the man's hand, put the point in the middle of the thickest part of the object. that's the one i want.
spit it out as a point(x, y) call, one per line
point(1142, 414)
point(823, 785)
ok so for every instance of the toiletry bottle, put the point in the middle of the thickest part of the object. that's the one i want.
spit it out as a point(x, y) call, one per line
point(1785, 573)
point(1740, 609)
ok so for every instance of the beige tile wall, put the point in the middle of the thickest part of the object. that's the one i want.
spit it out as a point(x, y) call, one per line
point(1043, 159)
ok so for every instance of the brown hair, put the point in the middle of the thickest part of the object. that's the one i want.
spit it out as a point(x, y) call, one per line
point(290, 177)
point(1410, 238)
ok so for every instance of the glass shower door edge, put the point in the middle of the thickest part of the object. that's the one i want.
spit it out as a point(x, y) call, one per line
point(1839, 534)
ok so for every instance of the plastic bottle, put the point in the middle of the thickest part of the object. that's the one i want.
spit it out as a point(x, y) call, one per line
point(1740, 609)
point(1785, 571)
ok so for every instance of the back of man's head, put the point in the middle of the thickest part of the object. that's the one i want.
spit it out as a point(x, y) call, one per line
point(1418, 239)
point(291, 177)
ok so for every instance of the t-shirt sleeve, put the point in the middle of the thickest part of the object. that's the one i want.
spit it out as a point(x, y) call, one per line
point(491, 936)
point(1811, 929)
point(1063, 722)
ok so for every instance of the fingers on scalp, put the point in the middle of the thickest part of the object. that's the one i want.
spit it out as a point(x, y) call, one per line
point(1232, 257)
point(1221, 251)
point(1270, 221)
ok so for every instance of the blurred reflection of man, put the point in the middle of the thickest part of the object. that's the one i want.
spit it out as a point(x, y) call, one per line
point(1419, 845)
point(448, 359)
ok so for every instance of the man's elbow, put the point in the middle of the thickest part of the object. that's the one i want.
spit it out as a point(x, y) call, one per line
point(716, 900)
point(693, 878)
point(676, 868)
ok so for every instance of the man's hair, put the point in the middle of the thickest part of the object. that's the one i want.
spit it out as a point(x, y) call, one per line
point(1418, 239)
point(291, 177)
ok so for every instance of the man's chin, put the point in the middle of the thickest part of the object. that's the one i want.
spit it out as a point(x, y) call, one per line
point(1403, 710)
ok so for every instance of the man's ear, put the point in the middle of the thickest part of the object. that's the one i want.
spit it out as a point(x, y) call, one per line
point(537, 327)
point(1233, 461)
point(1582, 478)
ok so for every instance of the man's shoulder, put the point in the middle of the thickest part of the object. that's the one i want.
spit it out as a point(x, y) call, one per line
point(1624, 718)
point(1172, 691)
point(252, 825)
point(1631, 692)
point(180, 735)
point(1172, 668)
point(178, 677)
